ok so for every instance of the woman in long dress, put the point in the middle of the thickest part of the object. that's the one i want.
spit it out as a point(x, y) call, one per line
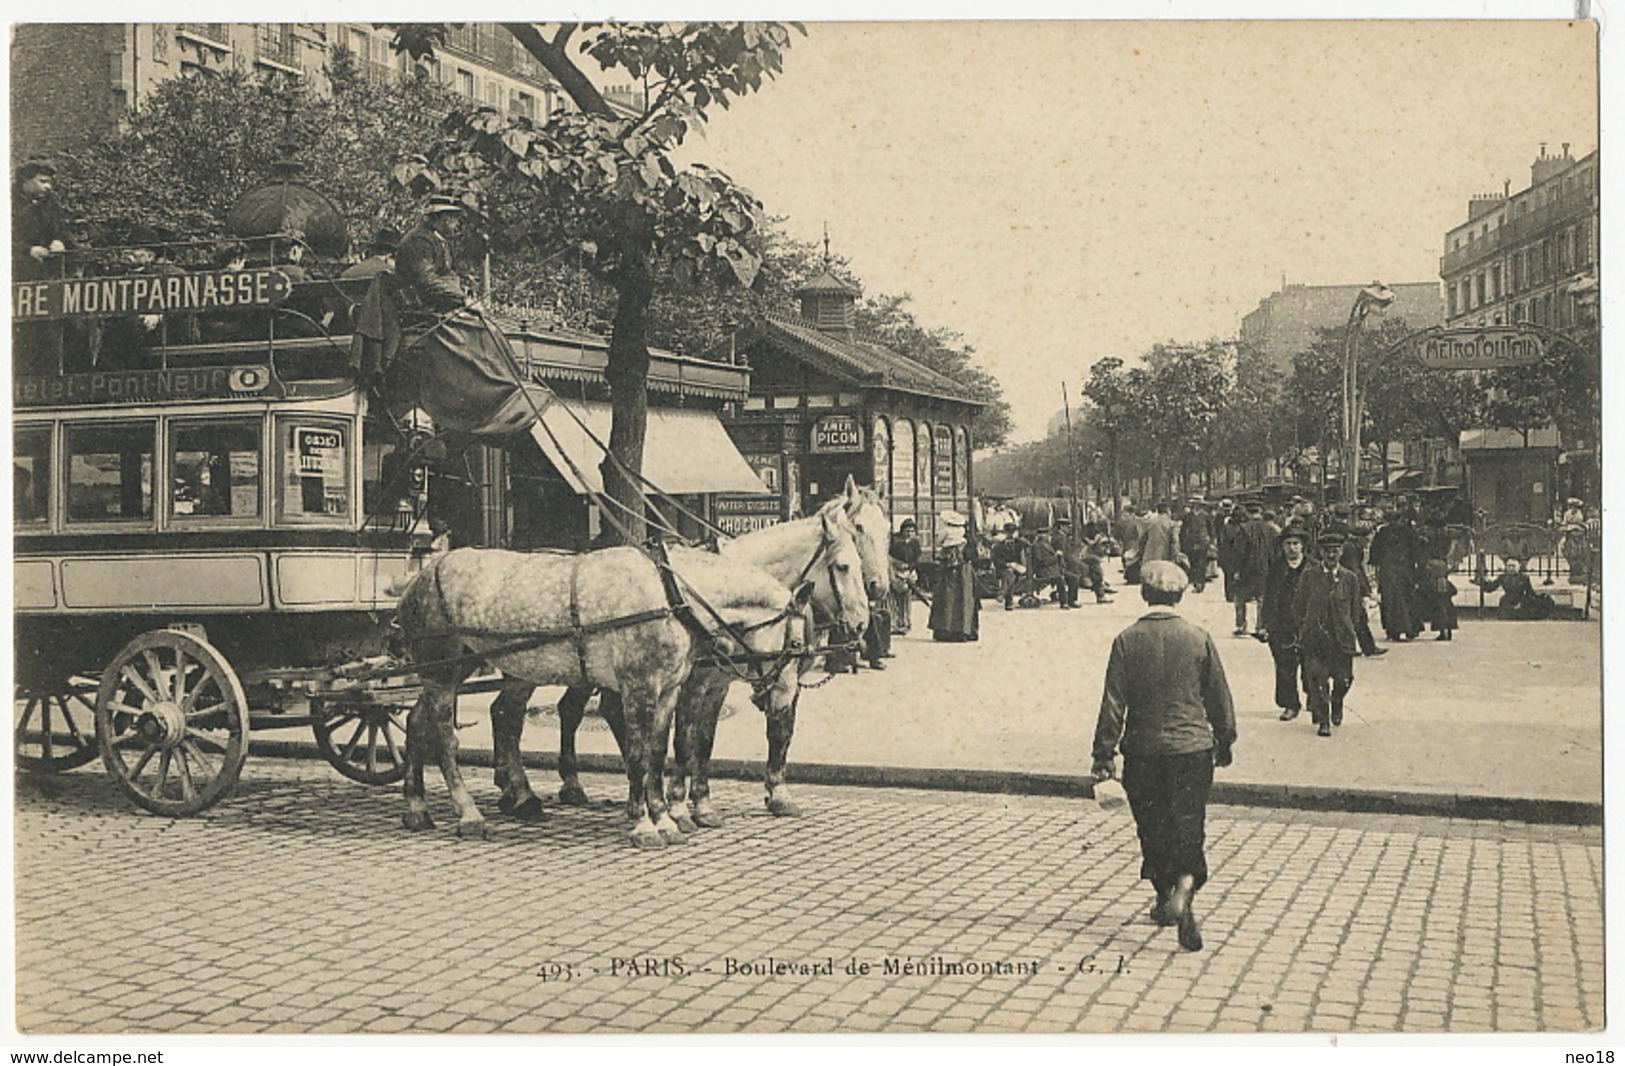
point(955, 609)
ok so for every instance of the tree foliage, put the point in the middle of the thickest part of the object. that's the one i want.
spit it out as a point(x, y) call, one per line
point(600, 182)
point(195, 145)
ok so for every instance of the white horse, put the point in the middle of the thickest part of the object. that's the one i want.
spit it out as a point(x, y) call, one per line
point(826, 550)
point(609, 618)
point(802, 549)
point(780, 550)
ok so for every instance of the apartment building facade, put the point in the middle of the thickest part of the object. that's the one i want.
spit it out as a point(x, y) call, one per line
point(71, 82)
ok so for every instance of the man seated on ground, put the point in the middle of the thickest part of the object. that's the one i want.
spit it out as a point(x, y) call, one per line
point(1519, 600)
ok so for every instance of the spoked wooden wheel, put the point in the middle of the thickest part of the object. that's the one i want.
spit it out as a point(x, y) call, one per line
point(172, 722)
point(56, 726)
point(365, 742)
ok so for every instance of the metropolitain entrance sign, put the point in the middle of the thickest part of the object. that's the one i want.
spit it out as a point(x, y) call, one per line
point(148, 294)
point(1479, 348)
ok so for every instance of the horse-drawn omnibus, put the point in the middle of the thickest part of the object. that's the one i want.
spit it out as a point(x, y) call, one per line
point(202, 548)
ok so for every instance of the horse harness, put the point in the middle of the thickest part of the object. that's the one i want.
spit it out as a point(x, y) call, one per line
point(678, 606)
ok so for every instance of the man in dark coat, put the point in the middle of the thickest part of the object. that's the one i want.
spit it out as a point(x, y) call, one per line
point(1196, 542)
point(1045, 557)
point(1073, 568)
point(1324, 606)
point(1396, 552)
point(1255, 547)
point(1166, 701)
point(37, 234)
point(37, 230)
point(424, 260)
point(1010, 562)
point(1277, 623)
point(1352, 558)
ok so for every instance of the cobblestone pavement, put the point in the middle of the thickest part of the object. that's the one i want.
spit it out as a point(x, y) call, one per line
point(299, 905)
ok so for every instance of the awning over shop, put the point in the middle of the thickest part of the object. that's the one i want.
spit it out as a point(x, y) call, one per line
point(684, 451)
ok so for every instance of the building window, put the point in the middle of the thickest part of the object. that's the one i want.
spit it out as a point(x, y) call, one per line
point(465, 83)
point(110, 472)
point(524, 104)
point(1478, 290)
point(216, 469)
point(1495, 283)
point(1451, 292)
point(31, 476)
point(276, 44)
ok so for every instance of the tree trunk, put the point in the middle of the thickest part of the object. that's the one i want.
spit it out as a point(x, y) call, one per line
point(628, 375)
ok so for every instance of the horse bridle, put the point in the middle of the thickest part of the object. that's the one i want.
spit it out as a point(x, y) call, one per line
point(738, 666)
point(826, 541)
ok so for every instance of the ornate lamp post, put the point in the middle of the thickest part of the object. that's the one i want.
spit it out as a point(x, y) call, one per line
point(1375, 296)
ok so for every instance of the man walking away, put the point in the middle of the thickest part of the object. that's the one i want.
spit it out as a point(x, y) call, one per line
point(1324, 606)
point(1166, 701)
point(1196, 542)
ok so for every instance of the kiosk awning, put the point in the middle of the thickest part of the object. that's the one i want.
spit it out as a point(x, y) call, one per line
point(684, 451)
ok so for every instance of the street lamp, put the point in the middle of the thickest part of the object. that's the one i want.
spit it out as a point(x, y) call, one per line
point(1375, 296)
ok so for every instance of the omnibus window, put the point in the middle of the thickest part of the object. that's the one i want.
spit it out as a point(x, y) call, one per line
point(31, 475)
point(216, 467)
point(315, 469)
point(110, 472)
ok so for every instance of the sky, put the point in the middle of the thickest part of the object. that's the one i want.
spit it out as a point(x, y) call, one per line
point(1058, 192)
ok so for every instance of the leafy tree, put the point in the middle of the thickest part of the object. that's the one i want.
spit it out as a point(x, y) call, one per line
point(1402, 399)
point(888, 320)
point(602, 182)
point(195, 145)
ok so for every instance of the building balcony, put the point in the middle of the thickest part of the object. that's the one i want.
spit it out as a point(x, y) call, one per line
point(275, 46)
point(1517, 232)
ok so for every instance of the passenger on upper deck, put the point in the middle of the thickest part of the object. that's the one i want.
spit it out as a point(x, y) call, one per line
point(424, 260)
point(37, 231)
point(124, 340)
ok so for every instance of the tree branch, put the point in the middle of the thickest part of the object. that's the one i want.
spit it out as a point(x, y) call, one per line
point(552, 57)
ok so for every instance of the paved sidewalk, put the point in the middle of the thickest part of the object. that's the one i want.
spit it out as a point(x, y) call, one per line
point(300, 905)
point(1508, 711)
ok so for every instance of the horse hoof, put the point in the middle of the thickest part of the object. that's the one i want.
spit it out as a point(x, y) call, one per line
point(529, 811)
point(479, 830)
point(708, 819)
point(573, 796)
point(685, 822)
point(417, 821)
point(648, 839)
point(782, 808)
point(674, 835)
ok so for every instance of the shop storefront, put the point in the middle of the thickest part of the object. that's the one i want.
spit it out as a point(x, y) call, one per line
point(825, 404)
point(538, 486)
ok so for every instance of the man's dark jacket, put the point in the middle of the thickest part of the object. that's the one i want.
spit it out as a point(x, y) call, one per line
point(1166, 692)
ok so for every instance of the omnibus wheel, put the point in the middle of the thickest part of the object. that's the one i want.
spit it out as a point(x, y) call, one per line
point(172, 722)
point(365, 742)
point(56, 725)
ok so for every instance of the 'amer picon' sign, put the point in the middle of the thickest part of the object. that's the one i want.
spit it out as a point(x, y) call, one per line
point(148, 294)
